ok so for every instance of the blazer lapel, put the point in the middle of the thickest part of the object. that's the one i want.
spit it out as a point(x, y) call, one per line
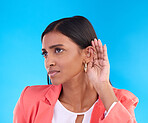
point(98, 112)
point(44, 113)
point(46, 105)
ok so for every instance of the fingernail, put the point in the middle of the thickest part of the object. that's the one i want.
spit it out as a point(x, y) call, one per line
point(105, 46)
point(95, 39)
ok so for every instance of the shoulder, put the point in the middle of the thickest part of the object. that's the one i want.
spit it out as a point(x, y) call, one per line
point(35, 93)
point(36, 89)
point(126, 97)
point(31, 98)
point(32, 93)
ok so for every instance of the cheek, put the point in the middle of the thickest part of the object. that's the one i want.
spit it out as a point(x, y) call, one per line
point(69, 68)
point(72, 66)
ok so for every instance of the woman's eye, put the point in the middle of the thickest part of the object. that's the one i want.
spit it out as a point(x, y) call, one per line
point(58, 50)
point(44, 54)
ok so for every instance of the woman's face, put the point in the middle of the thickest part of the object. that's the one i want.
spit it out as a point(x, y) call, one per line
point(63, 58)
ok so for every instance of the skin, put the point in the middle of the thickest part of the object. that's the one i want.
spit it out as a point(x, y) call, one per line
point(80, 88)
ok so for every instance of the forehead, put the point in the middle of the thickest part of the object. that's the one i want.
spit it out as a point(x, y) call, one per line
point(53, 38)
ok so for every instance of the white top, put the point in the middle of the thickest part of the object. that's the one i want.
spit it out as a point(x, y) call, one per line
point(63, 115)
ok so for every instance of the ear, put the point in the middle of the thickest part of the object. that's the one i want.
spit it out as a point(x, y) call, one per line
point(87, 54)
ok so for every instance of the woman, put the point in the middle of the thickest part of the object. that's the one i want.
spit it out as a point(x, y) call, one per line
point(78, 67)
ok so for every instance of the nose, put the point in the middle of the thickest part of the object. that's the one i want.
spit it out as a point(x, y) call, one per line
point(49, 62)
point(52, 64)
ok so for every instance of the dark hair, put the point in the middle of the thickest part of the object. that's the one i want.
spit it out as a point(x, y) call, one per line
point(77, 28)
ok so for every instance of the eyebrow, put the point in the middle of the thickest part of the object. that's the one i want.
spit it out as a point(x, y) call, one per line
point(53, 46)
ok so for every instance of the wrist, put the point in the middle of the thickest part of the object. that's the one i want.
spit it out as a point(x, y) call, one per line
point(102, 86)
point(107, 95)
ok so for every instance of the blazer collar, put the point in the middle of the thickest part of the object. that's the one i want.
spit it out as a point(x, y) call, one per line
point(53, 94)
point(98, 111)
point(45, 106)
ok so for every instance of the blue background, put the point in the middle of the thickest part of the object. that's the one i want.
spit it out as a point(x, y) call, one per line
point(122, 25)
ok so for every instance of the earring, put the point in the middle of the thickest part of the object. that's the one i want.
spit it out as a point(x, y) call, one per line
point(85, 67)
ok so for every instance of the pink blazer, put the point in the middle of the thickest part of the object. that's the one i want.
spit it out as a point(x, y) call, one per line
point(36, 105)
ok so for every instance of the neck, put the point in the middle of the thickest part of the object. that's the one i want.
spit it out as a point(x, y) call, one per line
point(78, 95)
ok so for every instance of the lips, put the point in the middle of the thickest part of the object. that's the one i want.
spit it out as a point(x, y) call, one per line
point(52, 73)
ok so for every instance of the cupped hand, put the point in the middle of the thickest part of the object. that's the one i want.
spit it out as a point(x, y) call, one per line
point(98, 68)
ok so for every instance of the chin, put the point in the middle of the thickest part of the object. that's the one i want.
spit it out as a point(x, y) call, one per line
point(55, 82)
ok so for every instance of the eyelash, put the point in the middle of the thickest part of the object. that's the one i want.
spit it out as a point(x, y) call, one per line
point(44, 53)
point(58, 49)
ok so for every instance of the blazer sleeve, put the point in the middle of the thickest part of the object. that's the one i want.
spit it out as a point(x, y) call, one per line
point(18, 113)
point(123, 110)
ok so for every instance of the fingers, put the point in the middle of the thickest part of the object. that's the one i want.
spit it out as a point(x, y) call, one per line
point(101, 51)
point(95, 52)
point(100, 54)
point(105, 56)
point(98, 48)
